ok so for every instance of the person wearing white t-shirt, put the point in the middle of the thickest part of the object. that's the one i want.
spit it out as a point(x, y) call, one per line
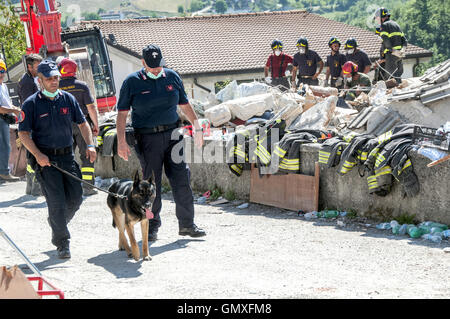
point(6, 107)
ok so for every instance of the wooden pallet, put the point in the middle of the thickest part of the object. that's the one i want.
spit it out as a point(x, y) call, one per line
point(290, 191)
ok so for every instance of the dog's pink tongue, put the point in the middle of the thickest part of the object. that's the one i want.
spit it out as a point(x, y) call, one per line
point(148, 213)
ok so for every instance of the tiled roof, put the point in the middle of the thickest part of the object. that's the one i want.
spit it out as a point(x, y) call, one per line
point(235, 42)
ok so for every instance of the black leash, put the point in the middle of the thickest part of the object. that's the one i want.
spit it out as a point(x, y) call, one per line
point(86, 183)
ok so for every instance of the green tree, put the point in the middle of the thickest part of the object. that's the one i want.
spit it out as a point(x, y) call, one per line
point(12, 33)
point(91, 16)
point(196, 5)
point(180, 9)
point(221, 6)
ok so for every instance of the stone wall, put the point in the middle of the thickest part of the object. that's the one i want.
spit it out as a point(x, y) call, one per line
point(349, 192)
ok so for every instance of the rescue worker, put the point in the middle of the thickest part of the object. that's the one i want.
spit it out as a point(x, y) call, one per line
point(84, 97)
point(334, 64)
point(28, 82)
point(6, 118)
point(356, 55)
point(46, 132)
point(27, 87)
point(153, 94)
point(394, 43)
point(305, 62)
point(354, 79)
point(277, 63)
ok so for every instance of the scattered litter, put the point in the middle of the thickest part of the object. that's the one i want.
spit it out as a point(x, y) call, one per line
point(340, 223)
point(201, 200)
point(311, 215)
point(243, 206)
point(383, 226)
point(446, 250)
point(219, 202)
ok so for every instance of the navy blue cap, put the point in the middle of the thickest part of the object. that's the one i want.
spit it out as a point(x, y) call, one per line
point(48, 68)
point(152, 56)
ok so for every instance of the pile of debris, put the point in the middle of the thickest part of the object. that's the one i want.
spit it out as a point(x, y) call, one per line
point(420, 101)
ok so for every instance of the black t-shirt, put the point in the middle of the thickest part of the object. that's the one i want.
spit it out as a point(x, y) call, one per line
point(307, 63)
point(27, 87)
point(360, 58)
point(335, 63)
point(79, 90)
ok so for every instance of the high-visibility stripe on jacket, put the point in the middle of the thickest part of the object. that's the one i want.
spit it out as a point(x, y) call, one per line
point(353, 153)
point(287, 151)
point(330, 151)
point(399, 131)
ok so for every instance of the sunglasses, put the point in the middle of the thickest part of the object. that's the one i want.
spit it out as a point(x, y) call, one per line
point(2, 71)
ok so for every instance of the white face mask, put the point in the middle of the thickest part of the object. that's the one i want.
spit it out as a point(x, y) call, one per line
point(277, 52)
point(301, 50)
point(348, 79)
point(350, 51)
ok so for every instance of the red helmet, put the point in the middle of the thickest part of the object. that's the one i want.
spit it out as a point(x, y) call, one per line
point(67, 67)
point(349, 68)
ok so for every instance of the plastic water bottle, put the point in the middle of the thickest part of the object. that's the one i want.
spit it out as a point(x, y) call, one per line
point(403, 229)
point(328, 214)
point(414, 232)
point(435, 230)
point(446, 233)
point(396, 229)
point(394, 223)
point(384, 226)
point(311, 215)
point(425, 229)
point(434, 238)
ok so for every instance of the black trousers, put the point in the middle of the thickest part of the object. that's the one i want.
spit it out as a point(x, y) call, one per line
point(281, 81)
point(394, 65)
point(155, 152)
point(63, 195)
point(308, 81)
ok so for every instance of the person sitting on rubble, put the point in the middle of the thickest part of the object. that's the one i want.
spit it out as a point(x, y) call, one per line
point(334, 64)
point(353, 81)
point(306, 62)
point(278, 63)
point(356, 55)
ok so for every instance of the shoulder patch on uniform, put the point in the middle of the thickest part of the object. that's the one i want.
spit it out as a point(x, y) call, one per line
point(169, 87)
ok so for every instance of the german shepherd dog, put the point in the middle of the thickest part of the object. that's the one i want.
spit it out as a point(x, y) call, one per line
point(131, 210)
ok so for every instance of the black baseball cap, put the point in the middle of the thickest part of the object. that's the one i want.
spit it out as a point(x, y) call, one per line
point(48, 68)
point(152, 56)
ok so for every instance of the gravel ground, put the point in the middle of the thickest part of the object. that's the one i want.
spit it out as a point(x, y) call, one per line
point(258, 252)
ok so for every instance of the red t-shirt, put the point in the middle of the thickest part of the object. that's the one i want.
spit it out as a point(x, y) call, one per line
point(274, 63)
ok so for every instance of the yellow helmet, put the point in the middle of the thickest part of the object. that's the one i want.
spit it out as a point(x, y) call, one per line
point(2, 64)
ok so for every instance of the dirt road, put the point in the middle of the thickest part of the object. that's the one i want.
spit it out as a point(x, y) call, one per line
point(258, 252)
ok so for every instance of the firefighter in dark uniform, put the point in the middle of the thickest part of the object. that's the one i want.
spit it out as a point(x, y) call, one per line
point(278, 63)
point(82, 93)
point(27, 87)
point(394, 43)
point(46, 132)
point(153, 94)
point(356, 55)
point(306, 62)
point(334, 64)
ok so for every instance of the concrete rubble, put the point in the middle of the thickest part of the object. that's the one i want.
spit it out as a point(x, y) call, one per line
point(421, 100)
